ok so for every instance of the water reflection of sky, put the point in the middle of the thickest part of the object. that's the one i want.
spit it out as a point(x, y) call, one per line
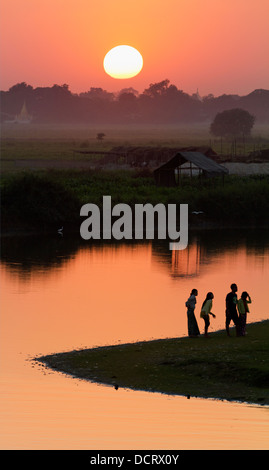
point(133, 291)
point(22, 254)
point(58, 294)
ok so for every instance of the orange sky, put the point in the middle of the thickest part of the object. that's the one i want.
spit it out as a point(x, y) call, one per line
point(218, 46)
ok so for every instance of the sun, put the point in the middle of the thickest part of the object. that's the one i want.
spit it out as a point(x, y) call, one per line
point(123, 62)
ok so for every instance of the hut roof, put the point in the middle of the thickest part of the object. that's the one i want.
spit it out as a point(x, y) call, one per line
point(198, 159)
point(165, 174)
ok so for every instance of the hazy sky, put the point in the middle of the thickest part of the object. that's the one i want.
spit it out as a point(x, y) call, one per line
point(218, 46)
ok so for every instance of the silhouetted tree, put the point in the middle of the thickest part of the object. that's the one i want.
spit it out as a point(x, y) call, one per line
point(128, 90)
point(157, 89)
point(98, 94)
point(232, 122)
point(21, 88)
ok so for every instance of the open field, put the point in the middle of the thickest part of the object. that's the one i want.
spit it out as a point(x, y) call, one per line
point(215, 367)
point(34, 147)
point(181, 133)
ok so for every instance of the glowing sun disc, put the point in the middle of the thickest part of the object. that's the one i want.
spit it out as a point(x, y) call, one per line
point(123, 62)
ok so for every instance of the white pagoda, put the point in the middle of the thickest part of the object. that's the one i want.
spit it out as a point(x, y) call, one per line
point(24, 117)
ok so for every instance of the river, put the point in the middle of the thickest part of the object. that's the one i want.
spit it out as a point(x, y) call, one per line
point(59, 294)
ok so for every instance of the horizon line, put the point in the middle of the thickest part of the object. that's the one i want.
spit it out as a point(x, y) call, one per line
point(127, 87)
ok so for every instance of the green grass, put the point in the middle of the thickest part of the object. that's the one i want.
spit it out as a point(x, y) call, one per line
point(49, 198)
point(215, 367)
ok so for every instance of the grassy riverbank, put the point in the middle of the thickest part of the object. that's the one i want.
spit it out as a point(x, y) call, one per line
point(48, 199)
point(215, 367)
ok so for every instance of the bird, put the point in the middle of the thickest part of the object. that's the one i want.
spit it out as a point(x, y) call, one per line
point(60, 231)
point(197, 212)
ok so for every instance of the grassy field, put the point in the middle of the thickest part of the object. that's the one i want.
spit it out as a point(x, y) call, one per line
point(214, 367)
point(55, 142)
point(44, 200)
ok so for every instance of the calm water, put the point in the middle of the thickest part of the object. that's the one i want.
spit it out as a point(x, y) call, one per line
point(58, 294)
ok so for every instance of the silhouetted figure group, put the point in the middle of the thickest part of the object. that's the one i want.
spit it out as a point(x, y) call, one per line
point(236, 311)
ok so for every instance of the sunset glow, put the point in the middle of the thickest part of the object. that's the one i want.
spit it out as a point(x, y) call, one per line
point(123, 62)
point(216, 46)
point(134, 198)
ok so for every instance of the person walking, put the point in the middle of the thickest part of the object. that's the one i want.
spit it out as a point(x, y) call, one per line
point(206, 311)
point(193, 329)
point(231, 310)
point(243, 309)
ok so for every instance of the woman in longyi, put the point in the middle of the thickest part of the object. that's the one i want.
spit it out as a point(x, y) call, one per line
point(193, 329)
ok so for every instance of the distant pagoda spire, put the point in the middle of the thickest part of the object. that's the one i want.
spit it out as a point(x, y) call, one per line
point(198, 95)
point(24, 116)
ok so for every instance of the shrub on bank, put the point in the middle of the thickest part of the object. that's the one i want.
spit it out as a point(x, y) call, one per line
point(37, 201)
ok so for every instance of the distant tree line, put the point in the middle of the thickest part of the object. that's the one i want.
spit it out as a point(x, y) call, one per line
point(161, 102)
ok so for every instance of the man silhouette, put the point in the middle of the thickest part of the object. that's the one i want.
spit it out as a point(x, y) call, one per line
point(231, 311)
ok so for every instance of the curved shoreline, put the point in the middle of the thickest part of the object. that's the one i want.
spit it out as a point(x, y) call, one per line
point(233, 369)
